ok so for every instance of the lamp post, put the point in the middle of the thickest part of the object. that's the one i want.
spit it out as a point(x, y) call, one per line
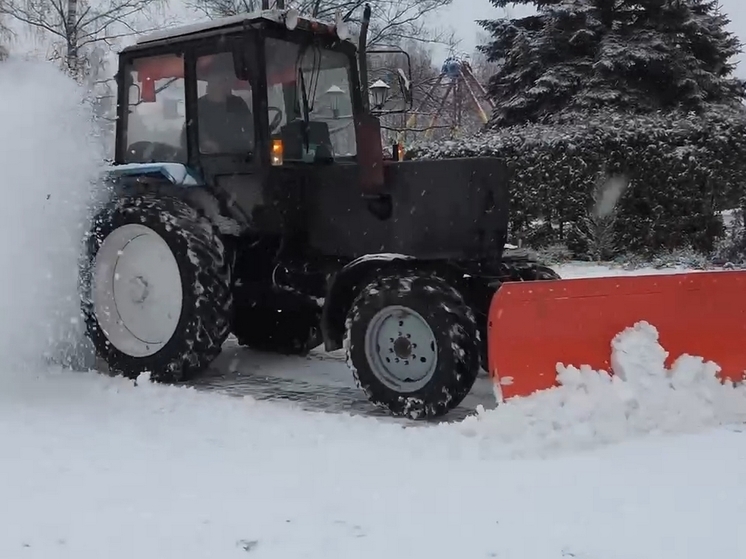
point(335, 94)
point(380, 91)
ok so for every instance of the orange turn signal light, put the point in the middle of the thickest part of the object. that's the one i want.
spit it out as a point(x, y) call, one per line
point(277, 152)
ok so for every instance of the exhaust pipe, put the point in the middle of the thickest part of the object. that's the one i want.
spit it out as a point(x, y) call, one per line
point(362, 56)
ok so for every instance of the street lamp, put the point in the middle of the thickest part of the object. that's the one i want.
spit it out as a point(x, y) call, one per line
point(335, 94)
point(380, 91)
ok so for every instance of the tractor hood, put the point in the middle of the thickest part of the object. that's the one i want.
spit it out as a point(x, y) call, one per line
point(450, 208)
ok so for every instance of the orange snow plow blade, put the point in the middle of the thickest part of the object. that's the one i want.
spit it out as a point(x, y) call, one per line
point(535, 325)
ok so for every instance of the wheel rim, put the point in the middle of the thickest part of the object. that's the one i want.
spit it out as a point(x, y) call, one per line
point(401, 349)
point(137, 291)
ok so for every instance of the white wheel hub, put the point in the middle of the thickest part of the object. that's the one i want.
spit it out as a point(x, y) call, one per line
point(137, 290)
point(401, 349)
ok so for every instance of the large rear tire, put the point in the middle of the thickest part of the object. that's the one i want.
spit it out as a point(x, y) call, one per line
point(156, 288)
point(413, 345)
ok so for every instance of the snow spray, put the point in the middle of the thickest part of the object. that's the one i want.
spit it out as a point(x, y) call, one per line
point(50, 158)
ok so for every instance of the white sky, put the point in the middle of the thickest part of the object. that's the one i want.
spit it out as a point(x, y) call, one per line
point(462, 14)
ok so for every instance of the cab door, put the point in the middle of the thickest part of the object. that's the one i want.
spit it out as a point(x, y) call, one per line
point(225, 119)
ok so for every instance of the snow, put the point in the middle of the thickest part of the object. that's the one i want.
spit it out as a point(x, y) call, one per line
point(645, 465)
point(150, 471)
point(49, 155)
point(593, 270)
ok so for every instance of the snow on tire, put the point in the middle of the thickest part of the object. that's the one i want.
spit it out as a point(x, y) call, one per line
point(156, 288)
point(413, 345)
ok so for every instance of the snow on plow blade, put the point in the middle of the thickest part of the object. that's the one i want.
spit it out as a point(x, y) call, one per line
point(535, 325)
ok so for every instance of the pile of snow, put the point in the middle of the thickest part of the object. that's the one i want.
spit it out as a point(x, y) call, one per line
point(49, 156)
point(590, 408)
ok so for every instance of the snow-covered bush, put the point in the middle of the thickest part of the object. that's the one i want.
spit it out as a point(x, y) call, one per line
point(679, 171)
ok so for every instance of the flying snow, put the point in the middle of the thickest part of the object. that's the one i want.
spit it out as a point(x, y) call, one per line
point(609, 195)
point(50, 156)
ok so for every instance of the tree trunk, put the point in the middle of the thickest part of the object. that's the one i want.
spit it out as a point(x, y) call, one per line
point(71, 31)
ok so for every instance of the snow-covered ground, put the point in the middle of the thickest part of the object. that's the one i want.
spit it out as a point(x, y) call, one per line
point(591, 270)
point(646, 466)
point(97, 467)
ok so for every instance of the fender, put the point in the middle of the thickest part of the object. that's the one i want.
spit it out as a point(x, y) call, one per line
point(344, 286)
point(174, 179)
point(177, 174)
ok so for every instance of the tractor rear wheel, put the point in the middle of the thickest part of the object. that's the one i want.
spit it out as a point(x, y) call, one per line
point(156, 288)
point(413, 345)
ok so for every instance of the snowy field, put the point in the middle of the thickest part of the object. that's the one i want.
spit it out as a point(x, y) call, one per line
point(644, 467)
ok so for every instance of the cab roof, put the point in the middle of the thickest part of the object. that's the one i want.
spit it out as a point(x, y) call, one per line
point(232, 23)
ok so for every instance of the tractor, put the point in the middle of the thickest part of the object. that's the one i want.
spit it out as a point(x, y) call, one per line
point(250, 194)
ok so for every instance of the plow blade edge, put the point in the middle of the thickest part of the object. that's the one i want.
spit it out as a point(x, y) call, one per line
point(535, 325)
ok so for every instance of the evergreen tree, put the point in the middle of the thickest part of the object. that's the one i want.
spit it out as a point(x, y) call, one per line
point(631, 55)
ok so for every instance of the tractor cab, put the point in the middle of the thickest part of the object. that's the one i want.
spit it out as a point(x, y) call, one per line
point(235, 103)
point(256, 90)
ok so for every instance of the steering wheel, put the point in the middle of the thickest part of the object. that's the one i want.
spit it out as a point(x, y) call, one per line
point(276, 120)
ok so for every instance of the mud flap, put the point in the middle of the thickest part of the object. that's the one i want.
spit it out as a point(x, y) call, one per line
point(533, 326)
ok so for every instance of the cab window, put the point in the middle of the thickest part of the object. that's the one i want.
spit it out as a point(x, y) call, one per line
point(225, 121)
point(155, 116)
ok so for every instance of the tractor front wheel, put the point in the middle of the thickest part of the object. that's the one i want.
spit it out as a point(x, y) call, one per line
point(156, 288)
point(413, 345)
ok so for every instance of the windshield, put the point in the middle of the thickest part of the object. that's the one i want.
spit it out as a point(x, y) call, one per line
point(325, 76)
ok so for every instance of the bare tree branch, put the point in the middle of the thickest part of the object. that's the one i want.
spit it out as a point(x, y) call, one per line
point(393, 21)
point(80, 23)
